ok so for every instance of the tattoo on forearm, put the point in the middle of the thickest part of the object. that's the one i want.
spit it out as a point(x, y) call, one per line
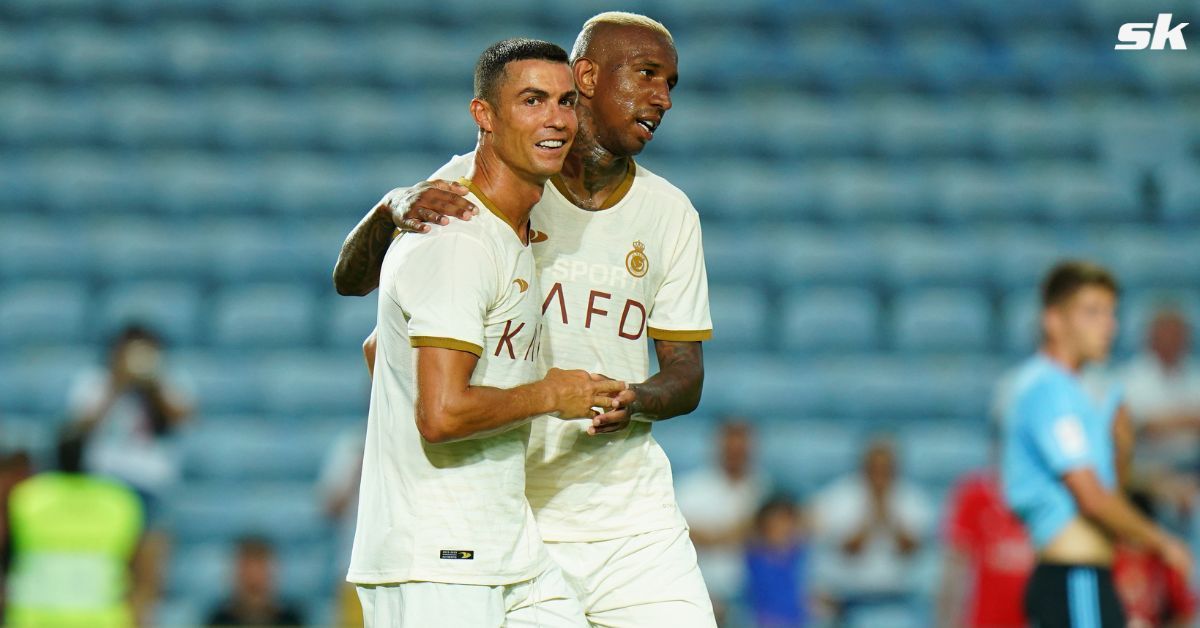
point(361, 258)
point(675, 389)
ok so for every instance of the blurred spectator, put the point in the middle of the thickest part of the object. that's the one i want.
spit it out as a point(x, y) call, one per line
point(776, 567)
point(15, 467)
point(1162, 388)
point(1153, 593)
point(338, 490)
point(130, 411)
point(988, 556)
point(74, 538)
point(719, 502)
point(253, 600)
point(869, 528)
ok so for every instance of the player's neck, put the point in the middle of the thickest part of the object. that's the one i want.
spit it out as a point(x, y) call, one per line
point(591, 173)
point(1063, 357)
point(512, 193)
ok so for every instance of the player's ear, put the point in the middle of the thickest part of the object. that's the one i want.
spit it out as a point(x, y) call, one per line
point(483, 114)
point(1051, 322)
point(585, 76)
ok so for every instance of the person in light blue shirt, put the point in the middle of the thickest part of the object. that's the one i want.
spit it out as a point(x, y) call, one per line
point(1061, 463)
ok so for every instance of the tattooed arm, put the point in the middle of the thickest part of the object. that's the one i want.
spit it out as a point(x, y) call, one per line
point(673, 391)
point(409, 209)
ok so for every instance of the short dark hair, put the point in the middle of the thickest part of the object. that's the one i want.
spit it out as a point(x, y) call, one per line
point(69, 449)
point(255, 546)
point(490, 67)
point(1070, 276)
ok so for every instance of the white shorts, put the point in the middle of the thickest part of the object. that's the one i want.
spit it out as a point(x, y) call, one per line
point(647, 580)
point(544, 602)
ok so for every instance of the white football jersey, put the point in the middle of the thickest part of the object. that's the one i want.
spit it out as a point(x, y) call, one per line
point(451, 512)
point(610, 279)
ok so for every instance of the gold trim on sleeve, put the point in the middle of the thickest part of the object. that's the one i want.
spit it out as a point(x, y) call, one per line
point(447, 343)
point(681, 335)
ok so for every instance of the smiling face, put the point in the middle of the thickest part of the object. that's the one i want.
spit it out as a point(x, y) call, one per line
point(532, 122)
point(632, 72)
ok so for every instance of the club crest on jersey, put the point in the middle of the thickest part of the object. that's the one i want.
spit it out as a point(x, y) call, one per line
point(636, 262)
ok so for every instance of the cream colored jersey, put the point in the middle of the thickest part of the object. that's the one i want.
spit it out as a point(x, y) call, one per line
point(609, 279)
point(451, 512)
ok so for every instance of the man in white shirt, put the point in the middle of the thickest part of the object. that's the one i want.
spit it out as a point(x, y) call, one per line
point(870, 527)
point(1162, 391)
point(619, 253)
point(720, 502)
point(444, 534)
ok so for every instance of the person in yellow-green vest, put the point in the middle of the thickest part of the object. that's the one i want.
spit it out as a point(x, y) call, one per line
point(74, 538)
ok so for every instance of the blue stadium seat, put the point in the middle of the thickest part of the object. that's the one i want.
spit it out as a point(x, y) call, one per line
point(1181, 193)
point(726, 254)
point(264, 315)
point(126, 249)
point(912, 258)
point(285, 512)
point(35, 435)
point(367, 121)
point(255, 451)
point(32, 249)
point(310, 186)
point(754, 384)
point(201, 184)
point(201, 574)
point(939, 452)
point(843, 59)
point(139, 117)
point(802, 455)
point(1080, 194)
point(36, 117)
point(974, 194)
point(922, 130)
point(688, 443)
point(1154, 258)
point(82, 53)
point(306, 54)
point(316, 384)
point(412, 56)
point(38, 381)
point(180, 611)
point(39, 313)
point(795, 127)
point(859, 193)
point(1022, 129)
point(78, 183)
point(942, 321)
point(1138, 137)
point(278, 250)
point(351, 319)
point(1022, 322)
point(828, 320)
point(947, 59)
point(740, 313)
point(195, 53)
point(222, 383)
point(1022, 256)
point(263, 120)
point(1077, 62)
point(886, 389)
point(173, 309)
point(823, 257)
point(22, 51)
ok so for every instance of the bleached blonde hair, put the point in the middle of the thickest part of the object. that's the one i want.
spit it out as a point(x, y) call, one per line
point(618, 18)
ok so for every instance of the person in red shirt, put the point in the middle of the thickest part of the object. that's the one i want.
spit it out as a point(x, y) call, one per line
point(1153, 594)
point(988, 558)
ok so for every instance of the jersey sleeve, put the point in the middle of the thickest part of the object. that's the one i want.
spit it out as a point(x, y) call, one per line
point(446, 290)
point(1057, 431)
point(680, 309)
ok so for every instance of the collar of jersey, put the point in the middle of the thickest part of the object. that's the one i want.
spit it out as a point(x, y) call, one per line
point(616, 197)
point(487, 202)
